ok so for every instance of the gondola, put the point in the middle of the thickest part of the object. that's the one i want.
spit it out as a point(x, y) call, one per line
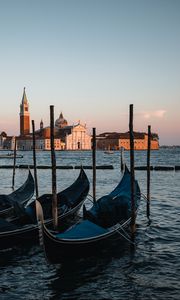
point(24, 228)
point(21, 195)
point(101, 226)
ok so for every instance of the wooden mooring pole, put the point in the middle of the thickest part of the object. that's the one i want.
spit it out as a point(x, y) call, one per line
point(53, 163)
point(122, 159)
point(148, 171)
point(94, 163)
point(34, 160)
point(14, 164)
point(133, 216)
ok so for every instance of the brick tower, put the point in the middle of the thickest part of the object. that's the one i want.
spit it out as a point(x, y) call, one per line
point(24, 116)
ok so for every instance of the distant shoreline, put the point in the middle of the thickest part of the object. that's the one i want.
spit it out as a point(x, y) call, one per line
point(166, 146)
point(160, 147)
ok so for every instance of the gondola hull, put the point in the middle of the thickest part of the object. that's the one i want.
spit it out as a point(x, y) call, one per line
point(21, 195)
point(28, 233)
point(59, 250)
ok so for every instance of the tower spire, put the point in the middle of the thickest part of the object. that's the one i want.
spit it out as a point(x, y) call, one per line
point(41, 124)
point(24, 98)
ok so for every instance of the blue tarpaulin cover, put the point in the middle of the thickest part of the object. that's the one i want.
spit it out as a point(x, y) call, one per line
point(112, 208)
point(85, 229)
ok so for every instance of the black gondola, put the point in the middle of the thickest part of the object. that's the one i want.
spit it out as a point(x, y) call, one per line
point(21, 195)
point(102, 224)
point(24, 228)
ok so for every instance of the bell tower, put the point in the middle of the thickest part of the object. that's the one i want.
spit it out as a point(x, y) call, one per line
point(24, 116)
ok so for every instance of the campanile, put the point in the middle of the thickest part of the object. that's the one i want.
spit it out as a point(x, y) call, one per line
point(24, 116)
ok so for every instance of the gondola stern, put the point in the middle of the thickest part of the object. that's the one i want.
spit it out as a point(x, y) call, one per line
point(40, 222)
point(39, 212)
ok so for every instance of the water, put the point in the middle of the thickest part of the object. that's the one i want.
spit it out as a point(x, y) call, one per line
point(152, 271)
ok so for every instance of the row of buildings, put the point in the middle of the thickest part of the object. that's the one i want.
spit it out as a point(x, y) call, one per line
point(69, 137)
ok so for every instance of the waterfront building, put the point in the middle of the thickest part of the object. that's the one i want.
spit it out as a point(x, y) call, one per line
point(75, 137)
point(78, 139)
point(3, 137)
point(6, 142)
point(116, 141)
point(26, 143)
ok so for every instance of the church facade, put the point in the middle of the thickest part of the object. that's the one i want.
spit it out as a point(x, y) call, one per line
point(78, 139)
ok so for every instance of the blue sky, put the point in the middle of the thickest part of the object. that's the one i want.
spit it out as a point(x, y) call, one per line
point(91, 59)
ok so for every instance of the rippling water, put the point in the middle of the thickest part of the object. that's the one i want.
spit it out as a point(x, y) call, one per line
point(151, 271)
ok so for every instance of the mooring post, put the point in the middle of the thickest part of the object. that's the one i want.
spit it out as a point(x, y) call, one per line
point(34, 159)
point(53, 163)
point(14, 164)
point(94, 163)
point(133, 216)
point(122, 159)
point(148, 171)
point(36, 182)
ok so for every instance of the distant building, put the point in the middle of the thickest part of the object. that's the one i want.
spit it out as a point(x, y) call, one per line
point(77, 139)
point(61, 122)
point(114, 140)
point(3, 137)
point(6, 142)
point(26, 143)
point(70, 137)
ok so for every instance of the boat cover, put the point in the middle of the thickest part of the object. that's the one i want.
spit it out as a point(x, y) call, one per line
point(85, 229)
point(115, 207)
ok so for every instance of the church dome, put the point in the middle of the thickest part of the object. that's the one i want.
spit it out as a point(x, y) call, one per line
point(61, 122)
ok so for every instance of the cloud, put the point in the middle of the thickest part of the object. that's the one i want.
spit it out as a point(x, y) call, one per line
point(147, 114)
point(157, 113)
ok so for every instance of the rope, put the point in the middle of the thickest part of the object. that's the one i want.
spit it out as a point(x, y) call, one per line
point(125, 235)
point(89, 198)
point(144, 196)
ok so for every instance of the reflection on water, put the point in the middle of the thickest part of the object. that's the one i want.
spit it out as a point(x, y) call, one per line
point(151, 271)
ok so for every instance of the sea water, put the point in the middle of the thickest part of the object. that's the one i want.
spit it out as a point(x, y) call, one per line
point(149, 271)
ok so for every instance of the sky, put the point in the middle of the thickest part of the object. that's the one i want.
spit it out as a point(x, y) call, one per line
point(91, 59)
